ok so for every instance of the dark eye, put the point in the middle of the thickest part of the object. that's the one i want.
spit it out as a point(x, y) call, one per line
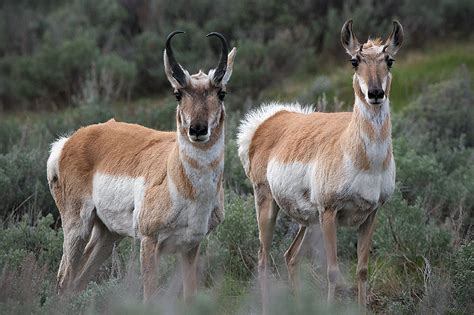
point(355, 62)
point(178, 95)
point(389, 61)
point(221, 95)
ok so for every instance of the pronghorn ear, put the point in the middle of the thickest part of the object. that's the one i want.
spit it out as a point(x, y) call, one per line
point(230, 65)
point(349, 40)
point(395, 40)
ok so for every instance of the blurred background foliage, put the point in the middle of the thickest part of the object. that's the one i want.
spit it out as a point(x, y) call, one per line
point(53, 51)
point(67, 64)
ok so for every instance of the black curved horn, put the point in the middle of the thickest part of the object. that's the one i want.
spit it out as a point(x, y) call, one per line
point(222, 65)
point(176, 69)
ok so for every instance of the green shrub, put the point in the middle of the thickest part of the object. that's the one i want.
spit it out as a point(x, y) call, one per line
point(405, 234)
point(18, 241)
point(23, 185)
point(53, 73)
point(116, 77)
point(10, 134)
point(236, 239)
point(444, 110)
point(462, 274)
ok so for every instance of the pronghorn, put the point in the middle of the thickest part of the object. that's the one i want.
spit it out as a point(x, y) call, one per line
point(325, 168)
point(116, 179)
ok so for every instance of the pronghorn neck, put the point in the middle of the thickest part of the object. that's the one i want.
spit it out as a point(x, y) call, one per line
point(199, 167)
point(369, 133)
point(201, 156)
point(363, 111)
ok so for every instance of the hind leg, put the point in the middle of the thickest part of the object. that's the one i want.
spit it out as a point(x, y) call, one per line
point(74, 244)
point(61, 271)
point(267, 213)
point(293, 257)
point(76, 235)
point(97, 250)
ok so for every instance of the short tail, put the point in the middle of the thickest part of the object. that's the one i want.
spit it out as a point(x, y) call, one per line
point(52, 166)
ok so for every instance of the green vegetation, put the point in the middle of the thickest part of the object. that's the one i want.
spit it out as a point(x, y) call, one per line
point(81, 62)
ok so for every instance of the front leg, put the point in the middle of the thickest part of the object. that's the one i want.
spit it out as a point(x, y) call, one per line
point(189, 266)
point(149, 258)
point(328, 226)
point(364, 242)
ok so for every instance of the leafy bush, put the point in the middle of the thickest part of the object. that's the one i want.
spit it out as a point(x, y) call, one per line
point(447, 104)
point(20, 240)
point(23, 186)
point(237, 237)
point(54, 72)
point(406, 235)
point(433, 147)
point(462, 275)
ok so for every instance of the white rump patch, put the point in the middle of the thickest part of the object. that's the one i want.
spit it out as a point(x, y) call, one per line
point(52, 168)
point(255, 118)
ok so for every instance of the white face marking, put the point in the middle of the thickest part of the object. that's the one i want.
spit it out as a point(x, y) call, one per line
point(118, 201)
point(384, 84)
point(365, 90)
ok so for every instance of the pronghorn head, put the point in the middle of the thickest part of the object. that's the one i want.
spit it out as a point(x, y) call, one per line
point(200, 96)
point(372, 62)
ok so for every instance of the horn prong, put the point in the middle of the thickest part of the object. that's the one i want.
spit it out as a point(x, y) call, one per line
point(176, 69)
point(222, 65)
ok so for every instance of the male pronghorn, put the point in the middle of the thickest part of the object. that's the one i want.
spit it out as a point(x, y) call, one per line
point(325, 168)
point(115, 179)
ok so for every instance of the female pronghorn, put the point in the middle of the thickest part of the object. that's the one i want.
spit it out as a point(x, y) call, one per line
point(327, 168)
point(115, 179)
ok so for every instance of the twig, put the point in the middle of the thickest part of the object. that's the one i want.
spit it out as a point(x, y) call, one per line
point(243, 260)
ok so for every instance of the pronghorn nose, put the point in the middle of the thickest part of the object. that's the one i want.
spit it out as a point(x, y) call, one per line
point(198, 130)
point(375, 94)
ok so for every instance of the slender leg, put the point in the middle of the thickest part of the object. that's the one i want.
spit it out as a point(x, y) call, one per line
point(149, 258)
point(97, 250)
point(364, 243)
point(189, 263)
point(73, 250)
point(293, 257)
point(328, 226)
point(266, 217)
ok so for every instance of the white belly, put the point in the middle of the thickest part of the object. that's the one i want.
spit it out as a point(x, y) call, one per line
point(118, 200)
point(292, 187)
point(301, 191)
